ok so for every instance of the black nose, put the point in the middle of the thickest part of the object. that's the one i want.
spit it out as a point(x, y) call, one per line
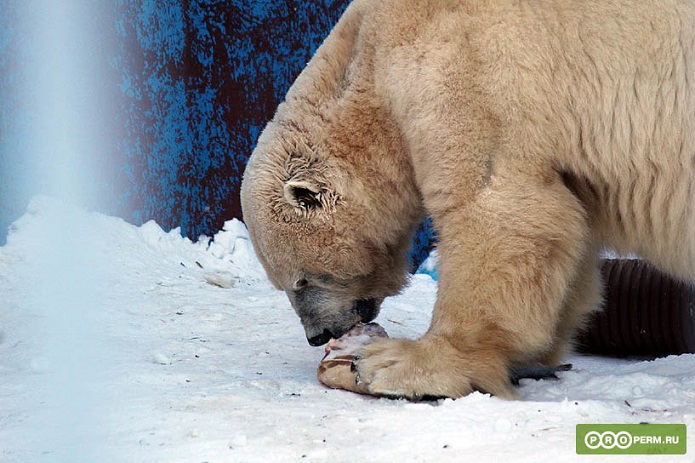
point(321, 339)
point(366, 309)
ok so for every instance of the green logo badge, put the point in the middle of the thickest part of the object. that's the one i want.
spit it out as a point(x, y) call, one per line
point(631, 439)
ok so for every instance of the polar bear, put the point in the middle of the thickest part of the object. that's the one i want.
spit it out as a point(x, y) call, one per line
point(534, 134)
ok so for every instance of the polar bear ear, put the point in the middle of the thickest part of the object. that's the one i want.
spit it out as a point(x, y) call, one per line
point(302, 194)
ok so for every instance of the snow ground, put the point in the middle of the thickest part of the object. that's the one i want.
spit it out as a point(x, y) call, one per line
point(129, 344)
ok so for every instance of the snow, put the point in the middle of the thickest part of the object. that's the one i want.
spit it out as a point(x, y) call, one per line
point(122, 344)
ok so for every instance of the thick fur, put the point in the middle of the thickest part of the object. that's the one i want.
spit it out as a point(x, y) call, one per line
point(533, 132)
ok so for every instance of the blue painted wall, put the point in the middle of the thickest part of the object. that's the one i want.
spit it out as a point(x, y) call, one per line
point(201, 79)
point(196, 80)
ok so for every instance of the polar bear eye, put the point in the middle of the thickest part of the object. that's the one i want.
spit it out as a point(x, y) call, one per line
point(300, 284)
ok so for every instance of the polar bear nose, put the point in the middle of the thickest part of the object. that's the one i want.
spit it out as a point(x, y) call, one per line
point(321, 339)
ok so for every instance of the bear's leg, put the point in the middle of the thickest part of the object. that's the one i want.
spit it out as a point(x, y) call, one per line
point(508, 258)
point(584, 296)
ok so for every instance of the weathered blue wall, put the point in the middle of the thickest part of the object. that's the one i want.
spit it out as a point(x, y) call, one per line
point(197, 81)
point(202, 77)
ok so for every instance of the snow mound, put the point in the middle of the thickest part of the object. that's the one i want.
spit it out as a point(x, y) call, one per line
point(228, 256)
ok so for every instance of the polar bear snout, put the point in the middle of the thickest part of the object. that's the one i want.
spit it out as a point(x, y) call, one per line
point(327, 314)
point(317, 337)
point(363, 310)
point(321, 339)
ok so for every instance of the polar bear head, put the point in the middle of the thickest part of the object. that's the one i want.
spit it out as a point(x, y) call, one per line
point(331, 225)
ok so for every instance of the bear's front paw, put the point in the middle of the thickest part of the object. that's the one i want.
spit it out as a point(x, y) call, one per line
point(429, 368)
